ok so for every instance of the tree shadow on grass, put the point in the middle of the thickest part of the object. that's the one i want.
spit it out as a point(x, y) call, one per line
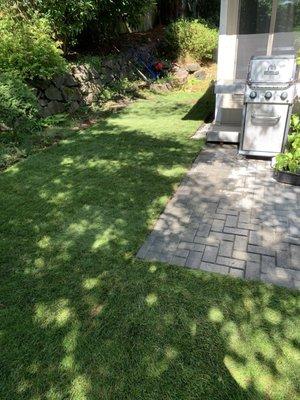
point(81, 318)
point(204, 107)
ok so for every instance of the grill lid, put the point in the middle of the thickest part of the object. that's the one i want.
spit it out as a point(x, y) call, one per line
point(272, 71)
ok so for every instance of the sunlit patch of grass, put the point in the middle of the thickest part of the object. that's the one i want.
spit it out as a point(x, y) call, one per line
point(90, 283)
point(58, 313)
point(153, 269)
point(171, 353)
point(44, 242)
point(80, 388)
point(151, 299)
point(272, 316)
point(216, 315)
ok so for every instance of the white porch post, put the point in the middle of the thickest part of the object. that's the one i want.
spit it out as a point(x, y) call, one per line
point(227, 58)
point(227, 50)
point(272, 28)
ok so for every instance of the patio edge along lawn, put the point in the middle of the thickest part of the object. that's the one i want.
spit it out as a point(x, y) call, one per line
point(82, 318)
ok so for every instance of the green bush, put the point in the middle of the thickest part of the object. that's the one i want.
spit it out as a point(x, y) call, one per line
point(27, 46)
point(295, 124)
point(290, 159)
point(191, 38)
point(18, 104)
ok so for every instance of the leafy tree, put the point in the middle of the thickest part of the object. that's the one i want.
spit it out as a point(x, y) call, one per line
point(170, 10)
point(112, 15)
point(208, 10)
point(129, 11)
point(69, 17)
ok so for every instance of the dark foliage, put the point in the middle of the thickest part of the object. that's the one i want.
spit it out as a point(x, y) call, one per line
point(170, 10)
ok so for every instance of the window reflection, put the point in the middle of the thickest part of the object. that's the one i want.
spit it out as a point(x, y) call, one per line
point(255, 33)
point(288, 16)
point(255, 16)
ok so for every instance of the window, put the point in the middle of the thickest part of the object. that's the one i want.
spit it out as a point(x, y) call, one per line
point(255, 16)
point(288, 16)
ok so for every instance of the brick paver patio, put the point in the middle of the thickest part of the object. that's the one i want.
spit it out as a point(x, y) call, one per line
point(230, 216)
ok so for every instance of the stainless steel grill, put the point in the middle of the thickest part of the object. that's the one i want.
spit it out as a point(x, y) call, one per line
point(269, 98)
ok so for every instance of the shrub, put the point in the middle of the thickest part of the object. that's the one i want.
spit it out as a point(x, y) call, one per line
point(191, 38)
point(295, 123)
point(290, 159)
point(27, 46)
point(18, 104)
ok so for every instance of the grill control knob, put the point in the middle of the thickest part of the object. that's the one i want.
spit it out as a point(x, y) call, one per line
point(284, 96)
point(253, 95)
point(268, 95)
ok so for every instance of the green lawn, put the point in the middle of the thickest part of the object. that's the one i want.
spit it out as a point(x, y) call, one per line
point(81, 318)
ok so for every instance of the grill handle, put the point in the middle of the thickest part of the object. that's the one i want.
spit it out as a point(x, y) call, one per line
point(265, 120)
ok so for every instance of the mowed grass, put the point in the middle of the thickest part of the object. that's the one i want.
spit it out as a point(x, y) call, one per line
point(81, 318)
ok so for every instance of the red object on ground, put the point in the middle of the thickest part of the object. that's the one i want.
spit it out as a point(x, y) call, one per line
point(159, 66)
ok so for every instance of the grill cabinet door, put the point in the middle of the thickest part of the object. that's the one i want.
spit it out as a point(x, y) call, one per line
point(264, 128)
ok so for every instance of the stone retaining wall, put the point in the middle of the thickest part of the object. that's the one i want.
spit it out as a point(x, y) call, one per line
point(86, 85)
point(83, 85)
